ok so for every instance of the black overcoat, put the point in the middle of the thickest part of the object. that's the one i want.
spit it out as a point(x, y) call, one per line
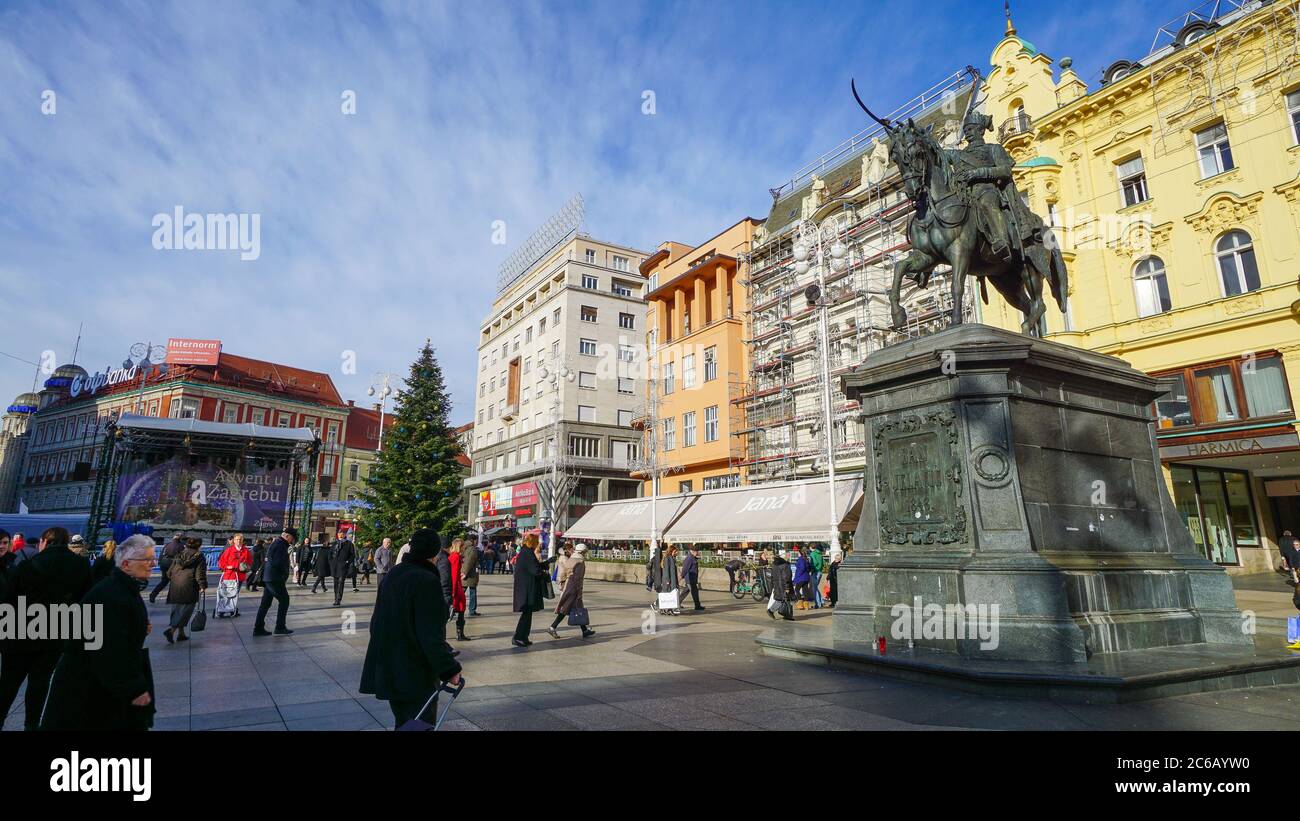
point(531, 577)
point(408, 655)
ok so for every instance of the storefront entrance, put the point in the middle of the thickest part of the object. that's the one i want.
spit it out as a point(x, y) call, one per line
point(1218, 508)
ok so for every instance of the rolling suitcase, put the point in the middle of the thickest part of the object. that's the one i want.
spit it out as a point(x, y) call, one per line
point(418, 725)
point(227, 599)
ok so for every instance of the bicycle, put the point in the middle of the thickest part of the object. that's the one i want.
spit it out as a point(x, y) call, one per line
point(749, 580)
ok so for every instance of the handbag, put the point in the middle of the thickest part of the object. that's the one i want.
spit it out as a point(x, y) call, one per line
point(578, 617)
point(772, 604)
point(668, 601)
point(200, 619)
point(549, 592)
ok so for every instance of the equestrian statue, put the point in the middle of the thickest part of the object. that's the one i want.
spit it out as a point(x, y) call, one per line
point(969, 214)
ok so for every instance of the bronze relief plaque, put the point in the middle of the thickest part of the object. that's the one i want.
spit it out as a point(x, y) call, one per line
point(918, 479)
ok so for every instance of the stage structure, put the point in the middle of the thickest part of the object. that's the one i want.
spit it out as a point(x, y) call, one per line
point(210, 479)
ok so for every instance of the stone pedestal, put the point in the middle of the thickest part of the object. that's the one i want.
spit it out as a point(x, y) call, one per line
point(1017, 472)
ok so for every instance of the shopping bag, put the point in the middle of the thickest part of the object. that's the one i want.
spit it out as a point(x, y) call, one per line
point(668, 601)
point(1293, 628)
point(200, 619)
point(578, 617)
point(772, 604)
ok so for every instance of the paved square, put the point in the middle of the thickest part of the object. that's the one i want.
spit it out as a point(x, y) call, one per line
point(698, 671)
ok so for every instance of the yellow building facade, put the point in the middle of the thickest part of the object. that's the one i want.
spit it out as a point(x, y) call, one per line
point(695, 306)
point(1174, 190)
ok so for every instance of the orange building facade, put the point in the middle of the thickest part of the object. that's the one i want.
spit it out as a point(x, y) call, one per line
point(695, 338)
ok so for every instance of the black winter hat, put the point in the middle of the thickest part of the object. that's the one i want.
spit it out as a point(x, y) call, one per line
point(425, 543)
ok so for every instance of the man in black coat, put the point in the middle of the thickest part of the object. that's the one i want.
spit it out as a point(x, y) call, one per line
point(321, 560)
point(304, 562)
point(275, 577)
point(54, 576)
point(408, 657)
point(170, 551)
point(259, 562)
point(343, 554)
point(108, 685)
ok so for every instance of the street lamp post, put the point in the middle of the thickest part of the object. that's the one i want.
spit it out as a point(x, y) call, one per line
point(810, 251)
point(143, 355)
point(555, 369)
point(384, 389)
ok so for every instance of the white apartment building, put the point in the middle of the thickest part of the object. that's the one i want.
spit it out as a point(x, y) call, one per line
point(575, 312)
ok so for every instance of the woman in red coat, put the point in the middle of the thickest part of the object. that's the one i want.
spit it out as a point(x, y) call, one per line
point(236, 560)
point(455, 559)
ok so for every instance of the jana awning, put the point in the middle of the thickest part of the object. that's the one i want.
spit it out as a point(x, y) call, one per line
point(628, 519)
point(778, 512)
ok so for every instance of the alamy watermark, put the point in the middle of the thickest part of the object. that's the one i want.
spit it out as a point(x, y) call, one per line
point(179, 231)
point(947, 621)
point(62, 622)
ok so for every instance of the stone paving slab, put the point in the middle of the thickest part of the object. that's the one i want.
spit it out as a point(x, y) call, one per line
point(696, 672)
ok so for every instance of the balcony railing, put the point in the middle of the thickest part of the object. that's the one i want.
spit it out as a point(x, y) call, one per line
point(1019, 124)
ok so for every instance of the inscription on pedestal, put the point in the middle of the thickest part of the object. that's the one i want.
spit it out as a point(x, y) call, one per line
point(918, 480)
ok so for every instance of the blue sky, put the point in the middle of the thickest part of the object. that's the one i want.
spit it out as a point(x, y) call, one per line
point(376, 228)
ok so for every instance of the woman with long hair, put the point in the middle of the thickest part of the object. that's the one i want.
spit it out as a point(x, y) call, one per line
point(103, 566)
point(455, 559)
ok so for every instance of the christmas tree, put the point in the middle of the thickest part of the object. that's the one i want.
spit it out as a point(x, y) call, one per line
point(417, 481)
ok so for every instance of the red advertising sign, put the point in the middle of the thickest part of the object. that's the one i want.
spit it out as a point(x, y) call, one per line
point(193, 351)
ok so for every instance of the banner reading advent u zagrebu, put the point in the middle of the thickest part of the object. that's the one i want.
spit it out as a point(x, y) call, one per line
point(204, 495)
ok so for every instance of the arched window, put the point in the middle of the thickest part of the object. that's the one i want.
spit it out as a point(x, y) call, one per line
point(1237, 269)
point(1151, 286)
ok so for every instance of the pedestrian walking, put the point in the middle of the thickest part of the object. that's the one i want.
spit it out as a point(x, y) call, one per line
point(1290, 550)
point(6, 562)
point(367, 562)
point(833, 579)
point(407, 658)
point(54, 577)
point(342, 557)
point(817, 563)
point(254, 577)
point(187, 580)
point(321, 559)
point(455, 562)
point(104, 563)
point(383, 560)
point(570, 602)
point(782, 589)
point(469, 576)
point(667, 580)
point(235, 564)
point(489, 560)
point(22, 550)
point(274, 578)
point(562, 560)
point(169, 552)
point(109, 687)
point(303, 554)
point(531, 572)
point(691, 574)
point(801, 577)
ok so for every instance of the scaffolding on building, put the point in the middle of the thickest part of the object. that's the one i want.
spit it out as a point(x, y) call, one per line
point(849, 208)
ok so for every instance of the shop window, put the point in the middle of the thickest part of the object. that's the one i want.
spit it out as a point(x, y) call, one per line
point(1265, 385)
point(1152, 287)
point(1251, 387)
point(1238, 272)
point(1218, 508)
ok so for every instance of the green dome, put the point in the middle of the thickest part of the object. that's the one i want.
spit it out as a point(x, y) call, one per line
point(1038, 161)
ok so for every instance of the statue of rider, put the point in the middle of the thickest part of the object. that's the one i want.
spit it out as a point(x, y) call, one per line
point(986, 168)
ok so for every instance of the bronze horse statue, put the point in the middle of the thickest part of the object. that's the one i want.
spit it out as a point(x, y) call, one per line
point(941, 184)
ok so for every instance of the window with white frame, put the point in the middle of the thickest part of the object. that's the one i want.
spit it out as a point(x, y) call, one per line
point(624, 451)
point(1152, 287)
point(528, 364)
point(621, 289)
point(668, 379)
point(1132, 181)
point(587, 347)
point(541, 326)
point(482, 389)
point(528, 334)
point(526, 394)
point(626, 353)
point(590, 281)
point(1293, 108)
point(688, 371)
point(522, 458)
point(587, 314)
point(230, 414)
point(711, 423)
point(354, 471)
point(537, 451)
point(259, 416)
point(586, 413)
point(688, 429)
point(710, 363)
point(591, 256)
point(626, 385)
point(719, 482)
point(555, 317)
point(584, 446)
point(1213, 150)
point(1238, 272)
point(620, 263)
point(587, 379)
point(625, 418)
point(627, 322)
point(670, 434)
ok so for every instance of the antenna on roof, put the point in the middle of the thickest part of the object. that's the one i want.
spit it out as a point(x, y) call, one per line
point(77, 347)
